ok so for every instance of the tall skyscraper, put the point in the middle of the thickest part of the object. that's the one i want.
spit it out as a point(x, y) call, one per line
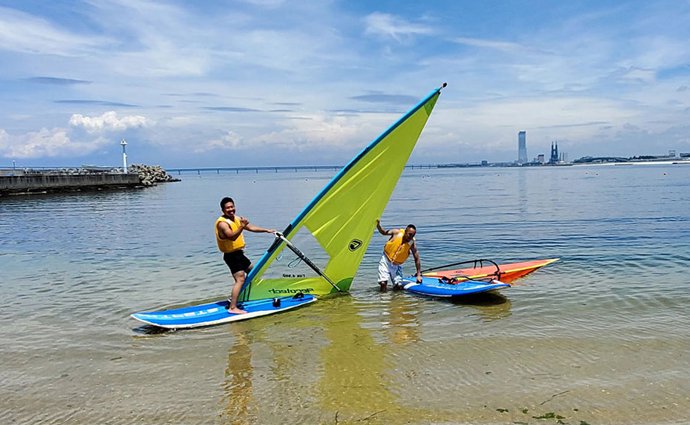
point(522, 147)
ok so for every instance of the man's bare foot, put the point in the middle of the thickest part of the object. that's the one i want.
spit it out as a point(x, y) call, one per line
point(236, 310)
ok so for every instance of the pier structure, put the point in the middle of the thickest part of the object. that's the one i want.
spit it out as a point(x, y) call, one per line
point(274, 169)
point(85, 178)
point(44, 181)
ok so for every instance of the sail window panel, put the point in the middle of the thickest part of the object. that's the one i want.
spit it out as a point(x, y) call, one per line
point(287, 265)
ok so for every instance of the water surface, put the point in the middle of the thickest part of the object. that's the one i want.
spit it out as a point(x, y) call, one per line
point(602, 336)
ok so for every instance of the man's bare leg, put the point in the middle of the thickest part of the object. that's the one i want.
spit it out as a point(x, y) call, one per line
point(239, 281)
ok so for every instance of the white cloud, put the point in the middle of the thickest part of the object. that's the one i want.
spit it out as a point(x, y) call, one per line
point(266, 3)
point(392, 26)
point(108, 122)
point(490, 44)
point(45, 143)
point(317, 131)
point(307, 133)
point(230, 140)
point(495, 124)
point(24, 33)
point(639, 75)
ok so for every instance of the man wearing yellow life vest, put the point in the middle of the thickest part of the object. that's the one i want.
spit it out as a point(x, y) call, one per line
point(395, 252)
point(229, 228)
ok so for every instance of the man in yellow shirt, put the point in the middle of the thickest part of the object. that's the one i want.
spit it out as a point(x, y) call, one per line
point(395, 252)
point(230, 240)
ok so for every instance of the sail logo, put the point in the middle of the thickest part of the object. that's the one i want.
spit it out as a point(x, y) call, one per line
point(355, 244)
point(291, 290)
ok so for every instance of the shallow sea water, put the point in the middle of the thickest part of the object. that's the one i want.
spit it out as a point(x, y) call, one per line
point(601, 336)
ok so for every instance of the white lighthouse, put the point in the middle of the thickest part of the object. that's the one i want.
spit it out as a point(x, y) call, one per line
point(123, 143)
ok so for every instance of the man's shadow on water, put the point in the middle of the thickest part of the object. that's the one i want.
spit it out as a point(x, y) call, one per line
point(151, 330)
point(484, 299)
point(489, 306)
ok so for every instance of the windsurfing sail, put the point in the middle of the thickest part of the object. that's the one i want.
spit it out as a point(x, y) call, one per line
point(320, 251)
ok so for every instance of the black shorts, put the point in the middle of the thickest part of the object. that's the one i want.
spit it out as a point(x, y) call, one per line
point(237, 261)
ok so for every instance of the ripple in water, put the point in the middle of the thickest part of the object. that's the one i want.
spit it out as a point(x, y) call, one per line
point(601, 336)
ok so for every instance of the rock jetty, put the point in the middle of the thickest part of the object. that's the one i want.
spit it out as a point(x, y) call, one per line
point(87, 178)
point(150, 175)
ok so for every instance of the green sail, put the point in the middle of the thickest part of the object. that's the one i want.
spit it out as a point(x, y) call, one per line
point(335, 229)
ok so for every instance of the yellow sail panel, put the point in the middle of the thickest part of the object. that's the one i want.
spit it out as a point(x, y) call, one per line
point(347, 213)
point(341, 218)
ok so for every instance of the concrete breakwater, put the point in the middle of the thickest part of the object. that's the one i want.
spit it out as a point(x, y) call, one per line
point(27, 181)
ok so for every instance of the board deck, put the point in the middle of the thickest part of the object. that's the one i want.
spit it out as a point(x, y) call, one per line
point(435, 287)
point(216, 313)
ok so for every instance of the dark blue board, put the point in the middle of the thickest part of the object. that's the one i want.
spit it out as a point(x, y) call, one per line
point(435, 287)
point(216, 313)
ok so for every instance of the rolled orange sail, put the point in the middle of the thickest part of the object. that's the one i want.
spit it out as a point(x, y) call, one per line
point(508, 272)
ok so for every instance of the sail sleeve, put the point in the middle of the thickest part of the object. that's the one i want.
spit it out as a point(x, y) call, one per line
point(335, 228)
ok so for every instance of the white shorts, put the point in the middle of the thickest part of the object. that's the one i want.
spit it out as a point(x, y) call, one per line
point(389, 272)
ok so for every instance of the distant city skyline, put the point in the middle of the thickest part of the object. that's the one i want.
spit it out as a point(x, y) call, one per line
point(281, 82)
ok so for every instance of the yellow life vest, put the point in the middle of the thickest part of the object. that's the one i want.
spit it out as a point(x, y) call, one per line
point(227, 245)
point(397, 251)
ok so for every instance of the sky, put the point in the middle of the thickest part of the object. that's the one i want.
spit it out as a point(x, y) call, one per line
point(273, 82)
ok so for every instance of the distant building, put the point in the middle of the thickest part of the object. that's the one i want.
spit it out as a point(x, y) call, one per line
point(554, 153)
point(522, 147)
point(540, 158)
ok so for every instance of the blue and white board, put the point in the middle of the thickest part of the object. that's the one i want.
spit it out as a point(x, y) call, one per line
point(216, 313)
point(436, 287)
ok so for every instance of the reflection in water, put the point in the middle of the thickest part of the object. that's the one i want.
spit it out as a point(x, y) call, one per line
point(490, 306)
point(522, 193)
point(354, 368)
point(238, 380)
point(364, 378)
point(318, 362)
point(402, 323)
point(337, 362)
